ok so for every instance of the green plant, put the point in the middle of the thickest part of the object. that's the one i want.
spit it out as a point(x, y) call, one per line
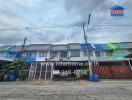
point(15, 66)
point(1, 75)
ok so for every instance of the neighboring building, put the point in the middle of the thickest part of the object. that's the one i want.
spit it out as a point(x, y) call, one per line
point(5, 53)
point(66, 52)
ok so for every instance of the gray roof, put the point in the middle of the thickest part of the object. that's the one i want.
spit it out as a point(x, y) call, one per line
point(43, 47)
point(59, 47)
point(73, 46)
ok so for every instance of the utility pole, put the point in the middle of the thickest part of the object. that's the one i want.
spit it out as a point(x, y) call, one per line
point(22, 49)
point(86, 44)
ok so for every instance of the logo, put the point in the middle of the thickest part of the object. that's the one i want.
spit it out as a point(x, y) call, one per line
point(117, 11)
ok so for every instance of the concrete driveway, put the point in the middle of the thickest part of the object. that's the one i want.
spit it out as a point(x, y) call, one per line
point(67, 90)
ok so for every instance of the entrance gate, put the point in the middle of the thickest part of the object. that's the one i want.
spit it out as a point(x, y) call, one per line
point(40, 71)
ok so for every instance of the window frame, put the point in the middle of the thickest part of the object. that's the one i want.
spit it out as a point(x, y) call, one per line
point(73, 55)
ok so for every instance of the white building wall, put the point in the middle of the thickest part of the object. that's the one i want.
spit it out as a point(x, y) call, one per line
point(81, 58)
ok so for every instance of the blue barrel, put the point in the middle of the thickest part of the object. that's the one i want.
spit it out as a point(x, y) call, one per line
point(91, 77)
point(12, 77)
point(94, 78)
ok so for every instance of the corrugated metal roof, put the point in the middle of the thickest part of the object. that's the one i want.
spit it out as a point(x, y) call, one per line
point(128, 45)
point(105, 47)
point(39, 47)
point(4, 47)
point(123, 45)
point(59, 47)
point(90, 47)
point(74, 46)
point(98, 47)
point(17, 49)
point(120, 56)
point(120, 45)
point(111, 45)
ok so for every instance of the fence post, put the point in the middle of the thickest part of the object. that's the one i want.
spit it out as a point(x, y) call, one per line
point(35, 70)
point(46, 72)
point(40, 72)
point(30, 71)
point(52, 67)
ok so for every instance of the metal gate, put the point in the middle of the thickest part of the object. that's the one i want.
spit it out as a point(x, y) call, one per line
point(113, 72)
point(40, 71)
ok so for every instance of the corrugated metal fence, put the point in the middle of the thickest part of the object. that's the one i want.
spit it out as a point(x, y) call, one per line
point(113, 72)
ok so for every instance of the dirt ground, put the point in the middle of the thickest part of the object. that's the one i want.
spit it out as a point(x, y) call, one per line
point(67, 90)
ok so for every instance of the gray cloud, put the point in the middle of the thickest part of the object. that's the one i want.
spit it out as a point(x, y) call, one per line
point(32, 13)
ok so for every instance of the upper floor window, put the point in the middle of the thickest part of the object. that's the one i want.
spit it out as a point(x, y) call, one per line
point(75, 53)
point(97, 54)
point(43, 54)
point(85, 53)
point(63, 53)
point(54, 54)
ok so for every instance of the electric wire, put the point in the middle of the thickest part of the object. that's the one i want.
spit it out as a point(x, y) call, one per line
point(64, 26)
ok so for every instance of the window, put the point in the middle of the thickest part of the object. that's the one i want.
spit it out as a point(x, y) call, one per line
point(54, 54)
point(75, 53)
point(43, 54)
point(97, 54)
point(85, 53)
point(63, 54)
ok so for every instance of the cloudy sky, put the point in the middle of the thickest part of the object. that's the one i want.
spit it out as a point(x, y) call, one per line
point(39, 14)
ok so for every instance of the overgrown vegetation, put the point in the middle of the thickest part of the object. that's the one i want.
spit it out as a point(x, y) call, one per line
point(14, 67)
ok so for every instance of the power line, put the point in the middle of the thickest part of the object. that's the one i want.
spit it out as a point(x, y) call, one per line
point(64, 26)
